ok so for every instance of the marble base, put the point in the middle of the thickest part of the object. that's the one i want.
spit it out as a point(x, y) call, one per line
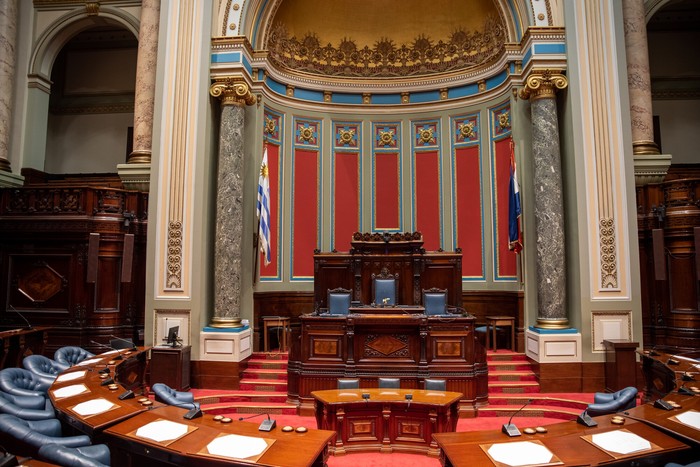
point(225, 346)
point(10, 180)
point(135, 176)
point(553, 346)
point(650, 168)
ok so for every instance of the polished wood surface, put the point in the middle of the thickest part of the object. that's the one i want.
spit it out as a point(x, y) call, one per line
point(15, 344)
point(411, 347)
point(130, 379)
point(383, 419)
point(620, 364)
point(564, 440)
point(664, 419)
point(663, 377)
point(171, 365)
point(290, 449)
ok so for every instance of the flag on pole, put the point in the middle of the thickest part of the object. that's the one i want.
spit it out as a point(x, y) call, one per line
point(264, 209)
point(514, 234)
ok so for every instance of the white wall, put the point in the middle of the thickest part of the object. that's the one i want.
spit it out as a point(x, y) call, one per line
point(680, 122)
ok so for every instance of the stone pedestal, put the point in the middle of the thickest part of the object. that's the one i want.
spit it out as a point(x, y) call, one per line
point(553, 346)
point(225, 345)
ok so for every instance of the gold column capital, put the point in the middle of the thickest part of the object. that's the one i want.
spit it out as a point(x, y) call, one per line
point(232, 91)
point(543, 84)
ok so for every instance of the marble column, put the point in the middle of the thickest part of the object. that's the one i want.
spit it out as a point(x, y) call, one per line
point(8, 40)
point(541, 89)
point(638, 77)
point(145, 82)
point(229, 203)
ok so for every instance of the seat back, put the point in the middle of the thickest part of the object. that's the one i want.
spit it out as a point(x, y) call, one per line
point(389, 383)
point(339, 301)
point(170, 396)
point(71, 355)
point(348, 383)
point(435, 301)
point(435, 384)
point(21, 382)
point(384, 288)
point(75, 457)
point(621, 400)
point(43, 366)
point(26, 437)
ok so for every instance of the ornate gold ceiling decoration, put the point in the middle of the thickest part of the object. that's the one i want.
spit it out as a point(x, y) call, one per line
point(386, 59)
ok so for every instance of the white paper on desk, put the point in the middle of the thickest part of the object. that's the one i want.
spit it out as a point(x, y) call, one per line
point(687, 359)
point(520, 453)
point(93, 407)
point(89, 361)
point(690, 418)
point(68, 391)
point(71, 376)
point(162, 430)
point(621, 442)
point(348, 394)
point(236, 446)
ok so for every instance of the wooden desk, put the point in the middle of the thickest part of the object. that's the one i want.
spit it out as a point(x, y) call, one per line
point(288, 449)
point(492, 323)
point(276, 321)
point(662, 377)
point(386, 422)
point(663, 419)
point(171, 365)
point(15, 344)
point(92, 381)
point(620, 364)
point(565, 441)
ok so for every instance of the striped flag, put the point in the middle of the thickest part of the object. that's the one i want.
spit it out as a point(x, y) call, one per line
point(514, 234)
point(264, 209)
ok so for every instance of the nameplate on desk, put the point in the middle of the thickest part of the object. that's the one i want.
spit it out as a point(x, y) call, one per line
point(621, 443)
point(70, 391)
point(229, 446)
point(71, 376)
point(520, 453)
point(163, 431)
point(93, 407)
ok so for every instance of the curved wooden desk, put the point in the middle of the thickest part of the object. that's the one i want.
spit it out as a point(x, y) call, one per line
point(117, 426)
point(386, 421)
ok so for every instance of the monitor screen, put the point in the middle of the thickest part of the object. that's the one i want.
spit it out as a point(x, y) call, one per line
point(172, 335)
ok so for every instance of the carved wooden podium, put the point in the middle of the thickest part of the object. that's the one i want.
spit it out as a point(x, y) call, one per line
point(399, 341)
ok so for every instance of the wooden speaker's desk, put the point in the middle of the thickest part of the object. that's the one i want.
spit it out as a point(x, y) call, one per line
point(384, 420)
point(291, 449)
point(566, 441)
point(126, 369)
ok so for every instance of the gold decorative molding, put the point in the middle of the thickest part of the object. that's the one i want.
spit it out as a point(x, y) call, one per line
point(543, 84)
point(608, 254)
point(92, 8)
point(232, 92)
point(174, 255)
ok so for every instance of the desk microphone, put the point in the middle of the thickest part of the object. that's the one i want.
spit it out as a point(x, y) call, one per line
point(365, 396)
point(194, 412)
point(266, 425)
point(509, 428)
point(29, 325)
point(585, 419)
point(409, 398)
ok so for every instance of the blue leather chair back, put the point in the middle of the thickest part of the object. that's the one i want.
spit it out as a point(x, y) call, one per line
point(43, 366)
point(46, 411)
point(435, 302)
point(338, 301)
point(435, 384)
point(389, 383)
point(21, 382)
point(170, 396)
point(384, 288)
point(348, 383)
point(26, 437)
point(71, 355)
point(605, 403)
point(96, 455)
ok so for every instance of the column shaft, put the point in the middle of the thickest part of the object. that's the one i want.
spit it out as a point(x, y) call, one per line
point(8, 40)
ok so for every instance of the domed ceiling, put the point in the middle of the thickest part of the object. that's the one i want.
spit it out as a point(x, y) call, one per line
point(384, 38)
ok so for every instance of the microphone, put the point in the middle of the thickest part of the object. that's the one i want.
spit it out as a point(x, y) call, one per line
point(29, 325)
point(509, 428)
point(131, 345)
point(365, 396)
point(109, 348)
point(409, 398)
point(585, 419)
point(266, 425)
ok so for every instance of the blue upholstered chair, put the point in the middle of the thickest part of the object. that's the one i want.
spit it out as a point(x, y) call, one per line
point(435, 384)
point(43, 412)
point(71, 355)
point(384, 286)
point(96, 455)
point(170, 396)
point(692, 464)
point(435, 301)
point(348, 383)
point(21, 382)
point(25, 402)
point(27, 436)
point(339, 301)
point(608, 403)
point(43, 367)
point(389, 383)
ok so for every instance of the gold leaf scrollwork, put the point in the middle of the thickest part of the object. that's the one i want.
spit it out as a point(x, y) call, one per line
point(174, 255)
point(466, 130)
point(426, 135)
point(232, 92)
point(543, 84)
point(386, 137)
point(270, 126)
point(306, 134)
point(504, 120)
point(608, 254)
point(345, 136)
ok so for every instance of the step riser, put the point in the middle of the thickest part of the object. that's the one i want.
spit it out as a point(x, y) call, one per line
point(523, 377)
point(254, 375)
point(250, 410)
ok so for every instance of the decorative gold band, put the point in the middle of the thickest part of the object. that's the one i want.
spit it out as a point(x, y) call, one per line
point(226, 323)
point(645, 148)
point(560, 323)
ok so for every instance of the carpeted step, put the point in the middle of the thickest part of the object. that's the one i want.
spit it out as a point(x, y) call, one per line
point(532, 410)
point(277, 385)
point(509, 365)
point(262, 373)
point(538, 399)
point(249, 408)
point(243, 396)
point(505, 355)
point(270, 356)
point(513, 387)
point(267, 364)
point(511, 376)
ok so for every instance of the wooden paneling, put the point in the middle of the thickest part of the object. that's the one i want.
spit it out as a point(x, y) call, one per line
point(217, 375)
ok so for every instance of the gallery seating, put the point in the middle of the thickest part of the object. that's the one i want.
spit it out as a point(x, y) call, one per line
point(170, 396)
point(348, 383)
point(9, 407)
point(27, 436)
point(608, 403)
point(389, 383)
point(71, 355)
point(43, 367)
point(96, 455)
point(21, 382)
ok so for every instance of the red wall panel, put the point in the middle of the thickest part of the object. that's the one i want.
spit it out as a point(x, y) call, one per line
point(346, 199)
point(468, 208)
point(386, 191)
point(305, 213)
point(427, 198)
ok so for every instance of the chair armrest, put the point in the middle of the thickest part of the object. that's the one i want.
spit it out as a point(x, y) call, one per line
point(603, 397)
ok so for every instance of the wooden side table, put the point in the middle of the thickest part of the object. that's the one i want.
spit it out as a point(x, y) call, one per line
point(272, 322)
point(492, 323)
